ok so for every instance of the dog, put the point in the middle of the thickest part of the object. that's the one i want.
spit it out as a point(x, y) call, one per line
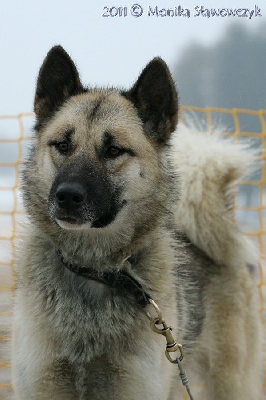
point(126, 210)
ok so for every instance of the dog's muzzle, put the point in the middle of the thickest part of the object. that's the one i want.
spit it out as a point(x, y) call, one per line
point(74, 206)
point(83, 194)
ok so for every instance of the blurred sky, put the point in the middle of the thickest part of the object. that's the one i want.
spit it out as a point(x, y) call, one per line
point(108, 51)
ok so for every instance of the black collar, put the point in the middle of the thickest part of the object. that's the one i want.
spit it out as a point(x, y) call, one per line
point(118, 280)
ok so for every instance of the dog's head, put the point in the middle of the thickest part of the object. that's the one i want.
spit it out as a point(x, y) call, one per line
point(97, 161)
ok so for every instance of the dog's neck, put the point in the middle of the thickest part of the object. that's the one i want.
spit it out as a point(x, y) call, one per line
point(106, 253)
point(121, 279)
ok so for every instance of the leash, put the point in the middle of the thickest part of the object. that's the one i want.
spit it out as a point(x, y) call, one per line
point(123, 280)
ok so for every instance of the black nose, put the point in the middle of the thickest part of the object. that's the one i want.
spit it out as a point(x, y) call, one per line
point(70, 195)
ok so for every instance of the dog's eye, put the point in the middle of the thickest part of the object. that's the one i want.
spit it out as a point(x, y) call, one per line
point(62, 147)
point(113, 152)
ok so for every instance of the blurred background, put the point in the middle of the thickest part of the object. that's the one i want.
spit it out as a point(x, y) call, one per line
point(216, 61)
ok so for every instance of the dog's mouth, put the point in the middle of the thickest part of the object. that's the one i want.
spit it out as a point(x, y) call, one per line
point(75, 223)
point(70, 223)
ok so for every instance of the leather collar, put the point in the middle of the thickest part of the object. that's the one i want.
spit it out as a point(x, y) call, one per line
point(121, 280)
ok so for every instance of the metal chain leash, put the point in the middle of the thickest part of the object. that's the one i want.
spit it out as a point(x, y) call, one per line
point(171, 344)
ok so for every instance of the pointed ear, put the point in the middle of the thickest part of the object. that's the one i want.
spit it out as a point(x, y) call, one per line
point(58, 80)
point(155, 97)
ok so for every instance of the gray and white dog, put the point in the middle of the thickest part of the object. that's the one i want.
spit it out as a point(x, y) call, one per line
point(123, 208)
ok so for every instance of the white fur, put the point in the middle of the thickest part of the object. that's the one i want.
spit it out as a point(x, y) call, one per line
point(73, 227)
point(209, 167)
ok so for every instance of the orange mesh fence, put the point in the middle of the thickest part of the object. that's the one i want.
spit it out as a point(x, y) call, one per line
point(249, 211)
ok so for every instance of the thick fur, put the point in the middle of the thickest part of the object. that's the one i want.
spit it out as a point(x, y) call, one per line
point(210, 167)
point(140, 190)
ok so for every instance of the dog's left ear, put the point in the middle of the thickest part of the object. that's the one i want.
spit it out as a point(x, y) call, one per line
point(155, 97)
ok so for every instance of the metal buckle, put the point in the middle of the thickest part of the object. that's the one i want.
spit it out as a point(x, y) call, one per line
point(171, 345)
point(166, 331)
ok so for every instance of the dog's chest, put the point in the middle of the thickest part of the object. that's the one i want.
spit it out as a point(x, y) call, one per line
point(85, 317)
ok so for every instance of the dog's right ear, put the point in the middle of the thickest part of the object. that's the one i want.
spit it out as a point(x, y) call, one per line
point(57, 81)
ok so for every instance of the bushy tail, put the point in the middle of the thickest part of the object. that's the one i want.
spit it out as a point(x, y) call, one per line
point(209, 168)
